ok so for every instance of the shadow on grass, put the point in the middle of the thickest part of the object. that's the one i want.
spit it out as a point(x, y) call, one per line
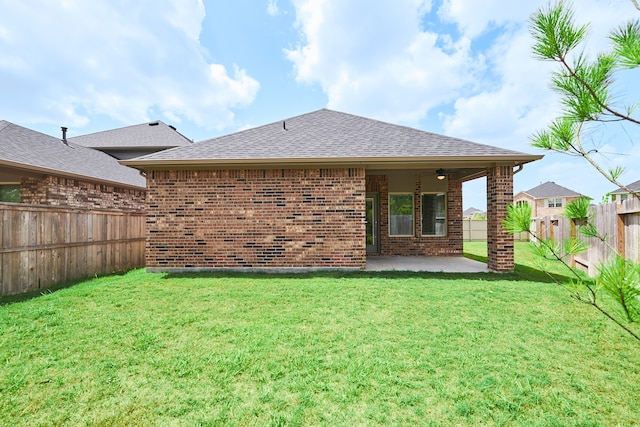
point(520, 273)
point(25, 296)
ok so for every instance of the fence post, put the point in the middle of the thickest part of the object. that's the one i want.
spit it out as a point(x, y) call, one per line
point(572, 236)
point(620, 229)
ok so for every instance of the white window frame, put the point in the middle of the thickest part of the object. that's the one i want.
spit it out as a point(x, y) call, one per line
point(553, 202)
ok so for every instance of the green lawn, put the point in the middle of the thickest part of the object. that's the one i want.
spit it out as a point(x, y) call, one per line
point(324, 349)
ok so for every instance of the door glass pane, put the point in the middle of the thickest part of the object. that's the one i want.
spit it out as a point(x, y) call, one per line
point(370, 222)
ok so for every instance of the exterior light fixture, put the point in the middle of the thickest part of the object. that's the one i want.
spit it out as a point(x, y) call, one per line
point(440, 174)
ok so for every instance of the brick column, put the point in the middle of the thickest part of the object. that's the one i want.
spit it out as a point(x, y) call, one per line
point(499, 242)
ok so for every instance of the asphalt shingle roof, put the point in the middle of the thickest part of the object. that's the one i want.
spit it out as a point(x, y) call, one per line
point(153, 134)
point(635, 186)
point(550, 189)
point(28, 149)
point(326, 135)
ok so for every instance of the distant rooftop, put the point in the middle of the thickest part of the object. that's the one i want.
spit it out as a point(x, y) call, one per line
point(154, 134)
point(635, 186)
point(551, 189)
point(470, 211)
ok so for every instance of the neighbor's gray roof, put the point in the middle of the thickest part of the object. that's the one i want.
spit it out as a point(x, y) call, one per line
point(327, 136)
point(27, 149)
point(149, 135)
point(550, 189)
point(635, 186)
point(471, 211)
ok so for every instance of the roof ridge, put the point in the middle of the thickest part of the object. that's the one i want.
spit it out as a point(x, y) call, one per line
point(254, 128)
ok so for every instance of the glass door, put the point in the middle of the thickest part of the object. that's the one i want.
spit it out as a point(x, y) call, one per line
point(373, 229)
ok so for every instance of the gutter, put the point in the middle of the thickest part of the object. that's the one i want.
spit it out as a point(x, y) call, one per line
point(64, 174)
point(367, 162)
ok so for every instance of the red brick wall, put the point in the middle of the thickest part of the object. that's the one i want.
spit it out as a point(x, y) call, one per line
point(59, 191)
point(499, 242)
point(416, 245)
point(291, 218)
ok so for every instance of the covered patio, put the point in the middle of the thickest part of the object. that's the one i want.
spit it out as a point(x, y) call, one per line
point(441, 264)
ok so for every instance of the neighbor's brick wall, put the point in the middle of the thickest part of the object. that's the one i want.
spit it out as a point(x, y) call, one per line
point(72, 193)
point(291, 218)
point(416, 245)
point(542, 209)
point(539, 207)
point(499, 195)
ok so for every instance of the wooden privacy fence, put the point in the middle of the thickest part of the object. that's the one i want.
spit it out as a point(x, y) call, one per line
point(41, 245)
point(620, 222)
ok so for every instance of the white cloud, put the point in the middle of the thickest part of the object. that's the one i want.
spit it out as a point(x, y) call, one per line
point(516, 99)
point(507, 111)
point(474, 17)
point(394, 60)
point(374, 58)
point(272, 8)
point(63, 62)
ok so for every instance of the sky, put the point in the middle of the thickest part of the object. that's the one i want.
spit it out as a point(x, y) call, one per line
point(461, 68)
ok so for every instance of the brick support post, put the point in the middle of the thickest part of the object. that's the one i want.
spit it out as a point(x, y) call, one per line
point(499, 242)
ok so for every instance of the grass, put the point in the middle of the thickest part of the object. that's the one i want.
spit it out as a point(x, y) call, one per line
point(322, 349)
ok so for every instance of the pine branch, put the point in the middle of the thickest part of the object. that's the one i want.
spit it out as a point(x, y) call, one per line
point(592, 92)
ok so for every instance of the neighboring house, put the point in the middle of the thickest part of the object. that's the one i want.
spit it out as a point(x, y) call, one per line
point(134, 141)
point(620, 195)
point(546, 199)
point(471, 212)
point(320, 191)
point(39, 169)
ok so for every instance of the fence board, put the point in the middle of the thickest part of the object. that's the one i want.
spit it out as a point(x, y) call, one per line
point(608, 218)
point(630, 212)
point(41, 246)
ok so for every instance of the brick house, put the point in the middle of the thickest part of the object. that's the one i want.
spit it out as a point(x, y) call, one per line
point(322, 190)
point(39, 169)
point(547, 199)
point(619, 195)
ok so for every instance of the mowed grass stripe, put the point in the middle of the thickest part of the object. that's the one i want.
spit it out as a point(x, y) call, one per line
point(365, 349)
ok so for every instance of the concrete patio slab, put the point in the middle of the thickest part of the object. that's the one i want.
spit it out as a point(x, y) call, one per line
point(451, 264)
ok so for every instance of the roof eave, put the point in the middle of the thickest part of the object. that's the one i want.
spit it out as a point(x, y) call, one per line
point(366, 162)
point(49, 171)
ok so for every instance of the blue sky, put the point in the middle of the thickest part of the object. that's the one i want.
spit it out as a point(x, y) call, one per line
point(462, 68)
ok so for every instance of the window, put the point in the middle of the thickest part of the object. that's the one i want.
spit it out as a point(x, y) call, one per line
point(10, 193)
point(401, 214)
point(554, 203)
point(434, 214)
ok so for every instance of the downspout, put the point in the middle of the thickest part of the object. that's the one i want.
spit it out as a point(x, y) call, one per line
point(520, 167)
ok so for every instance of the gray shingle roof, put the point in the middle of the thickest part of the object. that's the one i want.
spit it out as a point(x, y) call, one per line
point(27, 149)
point(326, 135)
point(550, 189)
point(151, 135)
point(635, 186)
point(471, 211)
